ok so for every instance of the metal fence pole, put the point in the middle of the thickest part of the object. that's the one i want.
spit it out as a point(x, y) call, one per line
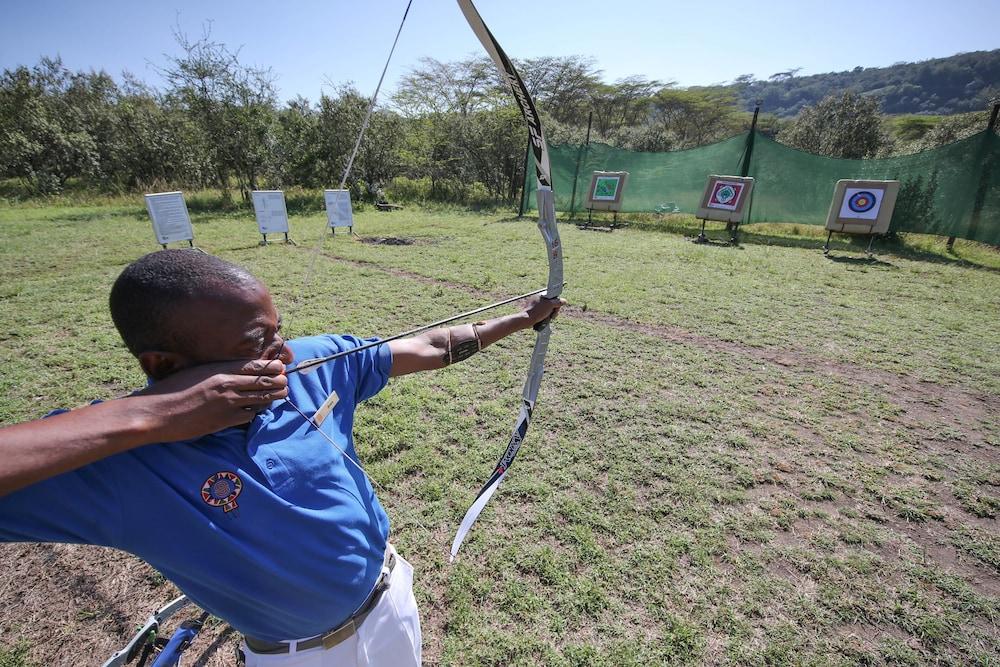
point(576, 174)
point(524, 185)
point(732, 227)
point(748, 151)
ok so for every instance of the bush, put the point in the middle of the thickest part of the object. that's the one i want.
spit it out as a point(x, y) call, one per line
point(848, 126)
point(444, 190)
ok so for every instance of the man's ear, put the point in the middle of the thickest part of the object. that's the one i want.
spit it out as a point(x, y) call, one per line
point(159, 365)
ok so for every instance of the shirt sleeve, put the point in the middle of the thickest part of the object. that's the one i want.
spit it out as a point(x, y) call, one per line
point(371, 369)
point(77, 507)
point(361, 374)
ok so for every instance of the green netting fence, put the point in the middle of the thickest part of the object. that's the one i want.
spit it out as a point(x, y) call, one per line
point(953, 190)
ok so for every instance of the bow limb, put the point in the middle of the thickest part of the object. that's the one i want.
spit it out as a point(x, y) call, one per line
point(553, 247)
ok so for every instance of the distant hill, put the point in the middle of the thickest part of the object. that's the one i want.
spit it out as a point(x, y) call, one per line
point(957, 84)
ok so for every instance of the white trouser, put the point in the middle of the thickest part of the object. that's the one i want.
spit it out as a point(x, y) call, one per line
point(388, 637)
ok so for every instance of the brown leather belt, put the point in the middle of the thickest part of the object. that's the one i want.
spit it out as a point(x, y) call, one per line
point(343, 631)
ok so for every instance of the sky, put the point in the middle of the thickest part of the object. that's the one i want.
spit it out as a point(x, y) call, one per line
point(311, 45)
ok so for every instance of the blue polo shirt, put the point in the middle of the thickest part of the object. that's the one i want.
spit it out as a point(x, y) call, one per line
point(268, 528)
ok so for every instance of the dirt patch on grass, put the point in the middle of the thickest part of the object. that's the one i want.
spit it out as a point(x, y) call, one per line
point(387, 240)
point(102, 596)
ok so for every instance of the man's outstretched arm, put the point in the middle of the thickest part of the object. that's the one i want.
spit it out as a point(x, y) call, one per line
point(188, 404)
point(438, 348)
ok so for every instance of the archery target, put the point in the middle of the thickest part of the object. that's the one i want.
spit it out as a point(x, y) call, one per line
point(861, 203)
point(725, 198)
point(606, 190)
point(726, 195)
point(862, 206)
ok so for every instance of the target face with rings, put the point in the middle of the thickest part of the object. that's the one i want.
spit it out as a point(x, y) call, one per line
point(861, 202)
point(862, 206)
point(725, 199)
point(725, 195)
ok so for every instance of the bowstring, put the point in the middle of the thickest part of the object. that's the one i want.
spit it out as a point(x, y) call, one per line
point(371, 107)
point(317, 249)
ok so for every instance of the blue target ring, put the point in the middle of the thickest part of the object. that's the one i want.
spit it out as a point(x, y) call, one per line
point(861, 202)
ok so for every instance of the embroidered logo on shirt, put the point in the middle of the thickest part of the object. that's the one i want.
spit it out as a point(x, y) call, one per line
point(221, 489)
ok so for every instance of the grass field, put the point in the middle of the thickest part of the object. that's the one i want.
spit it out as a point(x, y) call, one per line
point(750, 455)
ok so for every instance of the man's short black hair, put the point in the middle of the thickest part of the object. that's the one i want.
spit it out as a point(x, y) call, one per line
point(147, 298)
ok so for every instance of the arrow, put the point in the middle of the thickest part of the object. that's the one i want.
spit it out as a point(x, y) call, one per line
point(307, 365)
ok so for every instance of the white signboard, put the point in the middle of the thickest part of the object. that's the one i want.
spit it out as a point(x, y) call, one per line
point(272, 217)
point(169, 214)
point(861, 203)
point(338, 208)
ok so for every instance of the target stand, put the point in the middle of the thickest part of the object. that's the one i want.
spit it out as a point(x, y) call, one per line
point(605, 194)
point(726, 199)
point(339, 212)
point(272, 215)
point(861, 208)
point(169, 215)
point(264, 241)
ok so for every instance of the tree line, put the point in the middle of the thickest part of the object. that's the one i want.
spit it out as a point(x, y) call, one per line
point(962, 83)
point(449, 133)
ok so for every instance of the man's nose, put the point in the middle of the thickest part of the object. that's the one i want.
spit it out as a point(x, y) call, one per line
point(280, 351)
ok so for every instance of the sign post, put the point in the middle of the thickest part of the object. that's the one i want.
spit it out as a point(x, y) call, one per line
point(272, 216)
point(171, 221)
point(338, 210)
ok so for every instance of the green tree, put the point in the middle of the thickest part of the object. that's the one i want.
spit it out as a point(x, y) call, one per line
point(695, 117)
point(951, 129)
point(296, 151)
point(460, 87)
point(563, 85)
point(43, 136)
point(622, 104)
point(230, 104)
point(155, 144)
point(463, 128)
point(845, 126)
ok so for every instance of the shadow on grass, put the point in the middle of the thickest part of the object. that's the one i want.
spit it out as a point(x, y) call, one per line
point(213, 648)
point(713, 243)
point(861, 261)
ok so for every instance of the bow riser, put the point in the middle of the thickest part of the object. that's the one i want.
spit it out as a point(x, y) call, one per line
point(550, 233)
